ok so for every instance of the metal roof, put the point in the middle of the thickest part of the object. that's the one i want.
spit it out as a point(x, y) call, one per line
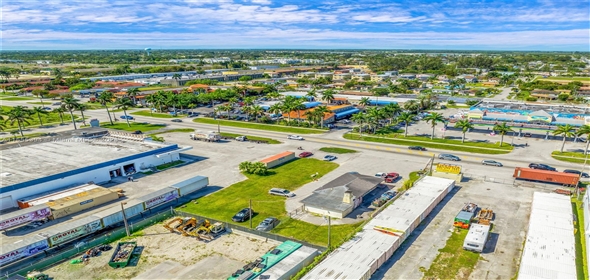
point(366, 251)
point(294, 260)
point(549, 249)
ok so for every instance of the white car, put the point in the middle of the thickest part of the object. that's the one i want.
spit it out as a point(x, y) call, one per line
point(295, 137)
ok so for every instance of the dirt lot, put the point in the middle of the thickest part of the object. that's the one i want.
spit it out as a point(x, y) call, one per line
point(168, 255)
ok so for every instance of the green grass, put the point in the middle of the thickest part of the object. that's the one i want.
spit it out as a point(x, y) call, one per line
point(581, 79)
point(458, 106)
point(253, 138)
point(573, 157)
point(224, 204)
point(453, 262)
point(581, 261)
point(176, 130)
point(436, 143)
point(16, 98)
point(144, 127)
point(337, 150)
point(168, 165)
point(270, 127)
point(146, 113)
point(49, 118)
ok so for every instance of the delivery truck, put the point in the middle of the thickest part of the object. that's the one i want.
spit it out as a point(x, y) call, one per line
point(210, 136)
point(546, 176)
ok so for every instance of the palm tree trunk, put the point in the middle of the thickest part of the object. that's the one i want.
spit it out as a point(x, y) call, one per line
point(298, 117)
point(20, 128)
point(587, 144)
point(41, 98)
point(83, 118)
point(562, 144)
point(463, 140)
point(406, 131)
point(432, 136)
point(361, 129)
point(61, 117)
point(73, 120)
point(501, 139)
point(109, 114)
point(126, 118)
point(40, 121)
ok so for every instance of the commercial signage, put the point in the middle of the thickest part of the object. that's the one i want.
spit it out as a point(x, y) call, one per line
point(23, 252)
point(87, 201)
point(28, 217)
point(75, 232)
point(161, 199)
point(448, 168)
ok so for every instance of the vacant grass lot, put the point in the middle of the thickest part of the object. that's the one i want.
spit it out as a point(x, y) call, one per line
point(270, 127)
point(452, 262)
point(337, 150)
point(253, 138)
point(436, 143)
point(569, 156)
point(581, 261)
point(224, 204)
point(146, 113)
point(143, 127)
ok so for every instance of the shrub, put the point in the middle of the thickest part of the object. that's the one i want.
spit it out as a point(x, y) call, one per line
point(257, 168)
point(563, 97)
point(531, 98)
point(451, 102)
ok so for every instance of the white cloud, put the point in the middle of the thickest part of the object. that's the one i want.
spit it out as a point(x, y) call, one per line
point(262, 2)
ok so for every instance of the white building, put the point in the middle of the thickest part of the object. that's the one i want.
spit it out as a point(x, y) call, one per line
point(550, 246)
point(97, 156)
point(360, 257)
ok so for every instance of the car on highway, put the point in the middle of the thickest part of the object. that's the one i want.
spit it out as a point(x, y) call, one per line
point(268, 224)
point(491, 162)
point(541, 166)
point(243, 215)
point(527, 134)
point(577, 172)
point(417, 148)
point(330, 158)
point(46, 108)
point(56, 104)
point(123, 117)
point(281, 192)
point(449, 157)
point(294, 137)
point(305, 154)
point(176, 120)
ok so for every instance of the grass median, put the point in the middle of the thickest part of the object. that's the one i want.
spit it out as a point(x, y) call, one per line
point(143, 127)
point(573, 157)
point(146, 113)
point(260, 126)
point(224, 204)
point(581, 261)
point(251, 138)
point(436, 143)
point(337, 150)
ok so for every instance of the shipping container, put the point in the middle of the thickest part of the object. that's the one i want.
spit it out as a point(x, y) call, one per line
point(191, 185)
point(73, 204)
point(134, 207)
point(546, 176)
point(72, 230)
point(25, 248)
point(41, 199)
point(159, 197)
point(113, 215)
point(23, 216)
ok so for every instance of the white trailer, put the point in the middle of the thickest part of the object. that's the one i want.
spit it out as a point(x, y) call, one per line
point(210, 136)
point(476, 238)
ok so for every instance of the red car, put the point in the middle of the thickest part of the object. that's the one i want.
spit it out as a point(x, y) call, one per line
point(391, 177)
point(305, 154)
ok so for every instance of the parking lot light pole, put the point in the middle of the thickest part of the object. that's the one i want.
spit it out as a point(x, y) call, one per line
point(125, 218)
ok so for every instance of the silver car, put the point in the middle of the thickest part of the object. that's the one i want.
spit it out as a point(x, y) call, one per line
point(281, 192)
point(491, 162)
point(268, 224)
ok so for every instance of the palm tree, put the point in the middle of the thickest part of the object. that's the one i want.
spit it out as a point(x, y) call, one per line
point(322, 111)
point(407, 118)
point(133, 92)
point(176, 77)
point(585, 130)
point(2, 124)
point(257, 111)
point(71, 104)
point(392, 110)
point(502, 129)
point(565, 130)
point(20, 115)
point(275, 109)
point(273, 95)
point(311, 95)
point(434, 119)
point(359, 118)
point(298, 106)
point(365, 101)
point(158, 99)
point(82, 108)
point(124, 103)
point(328, 96)
point(310, 116)
point(39, 111)
point(412, 106)
point(464, 125)
point(104, 99)
point(228, 109)
point(62, 110)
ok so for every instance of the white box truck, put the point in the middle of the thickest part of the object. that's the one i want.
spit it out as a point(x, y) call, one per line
point(210, 136)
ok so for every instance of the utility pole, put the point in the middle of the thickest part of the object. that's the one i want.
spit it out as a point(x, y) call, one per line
point(329, 232)
point(250, 213)
point(431, 164)
point(125, 218)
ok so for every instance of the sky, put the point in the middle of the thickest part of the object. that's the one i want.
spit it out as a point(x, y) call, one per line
point(551, 25)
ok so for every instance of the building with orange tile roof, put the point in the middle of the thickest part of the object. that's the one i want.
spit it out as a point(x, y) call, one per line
point(295, 115)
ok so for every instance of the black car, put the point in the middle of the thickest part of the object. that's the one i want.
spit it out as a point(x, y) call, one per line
point(577, 172)
point(541, 167)
point(417, 148)
point(243, 215)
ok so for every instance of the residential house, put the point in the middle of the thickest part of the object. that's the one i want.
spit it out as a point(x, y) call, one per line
point(424, 77)
point(361, 77)
point(379, 78)
point(306, 75)
point(407, 76)
point(342, 76)
point(325, 75)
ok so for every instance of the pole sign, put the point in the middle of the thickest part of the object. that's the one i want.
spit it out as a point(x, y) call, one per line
point(24, 218)
point(448, 168)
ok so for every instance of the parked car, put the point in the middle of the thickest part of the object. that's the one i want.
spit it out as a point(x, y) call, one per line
point(449, 157)
point(176, 120)
point(268, 224)
point(330, 158)
point(417, 148)
point(381, 174)
point(123, 117)
point(295, 137)
point(56, 104)
point(577, 172)
point(47, 108)
point(491, 162)
point(542, 166)
point(242, 138)
point(527, 134)
point(305, 154)
point(243, 215)
point(281, 192)
point(391, 177)
point(388, 195)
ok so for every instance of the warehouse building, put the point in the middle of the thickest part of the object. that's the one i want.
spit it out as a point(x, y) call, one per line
point(550, 247)
point(360, 257)
point(90, 155)
point(278, 159)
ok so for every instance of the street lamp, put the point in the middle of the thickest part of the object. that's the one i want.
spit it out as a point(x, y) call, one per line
point(125, 218)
